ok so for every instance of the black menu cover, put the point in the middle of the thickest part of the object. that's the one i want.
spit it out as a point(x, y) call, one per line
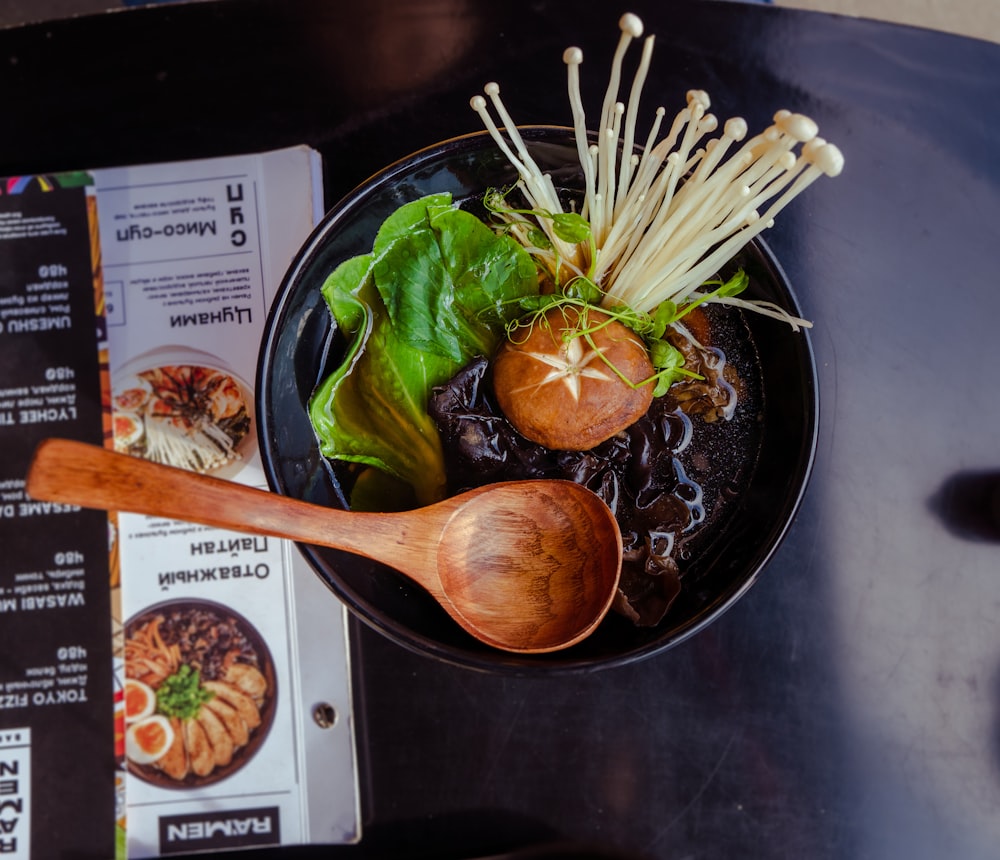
point(57, 742)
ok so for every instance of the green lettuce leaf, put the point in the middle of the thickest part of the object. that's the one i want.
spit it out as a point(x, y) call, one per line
point(436, 291)
point(448, 280)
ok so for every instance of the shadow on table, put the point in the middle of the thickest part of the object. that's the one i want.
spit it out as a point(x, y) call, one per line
point(968, 503)
point(467, 835)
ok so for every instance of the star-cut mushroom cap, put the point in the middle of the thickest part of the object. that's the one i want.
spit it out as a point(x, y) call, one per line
point(575, 380)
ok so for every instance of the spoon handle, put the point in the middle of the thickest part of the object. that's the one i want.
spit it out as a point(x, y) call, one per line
point(77, 473)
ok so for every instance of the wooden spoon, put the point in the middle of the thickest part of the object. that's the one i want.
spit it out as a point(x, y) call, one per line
point(525, 566)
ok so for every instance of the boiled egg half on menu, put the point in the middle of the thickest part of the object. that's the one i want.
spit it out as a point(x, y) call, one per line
point(148, 739)
point(140, 700)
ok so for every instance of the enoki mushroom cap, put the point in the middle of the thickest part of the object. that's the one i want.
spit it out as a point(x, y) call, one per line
point(825, 156)
point(735, 128)
point(796, 125)
point(631, 24)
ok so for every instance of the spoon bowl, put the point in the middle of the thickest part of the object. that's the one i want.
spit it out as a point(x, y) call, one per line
point(524, 566)
point(531, 561)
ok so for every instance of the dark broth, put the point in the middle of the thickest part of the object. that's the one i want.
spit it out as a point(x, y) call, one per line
point(670, 478)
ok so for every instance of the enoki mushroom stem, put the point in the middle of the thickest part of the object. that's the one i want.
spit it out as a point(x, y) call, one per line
point(666, 218)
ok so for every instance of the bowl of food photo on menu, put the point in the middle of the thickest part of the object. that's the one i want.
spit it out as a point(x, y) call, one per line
point(184, 407)
point(496, 307)
point(200, 693)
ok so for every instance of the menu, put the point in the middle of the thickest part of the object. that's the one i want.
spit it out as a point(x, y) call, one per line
point(55, 651)
point(221, 685)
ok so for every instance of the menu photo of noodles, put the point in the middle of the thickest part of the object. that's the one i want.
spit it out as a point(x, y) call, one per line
point(181, 407)
point(200, 693)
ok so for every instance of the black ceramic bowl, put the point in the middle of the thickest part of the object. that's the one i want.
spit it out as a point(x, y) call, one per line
point(300, 347)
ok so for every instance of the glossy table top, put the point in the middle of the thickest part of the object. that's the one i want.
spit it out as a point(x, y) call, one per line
point(849, 705)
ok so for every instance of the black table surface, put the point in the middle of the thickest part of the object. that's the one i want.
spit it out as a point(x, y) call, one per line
point(849, 705)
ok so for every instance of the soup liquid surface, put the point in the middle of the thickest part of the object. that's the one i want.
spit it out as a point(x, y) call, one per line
point(671, 478)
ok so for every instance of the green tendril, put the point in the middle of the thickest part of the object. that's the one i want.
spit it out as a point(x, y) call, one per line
point(667, 360)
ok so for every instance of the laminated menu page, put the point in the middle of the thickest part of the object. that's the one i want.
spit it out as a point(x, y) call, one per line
point(233, 667)
point(57, 745)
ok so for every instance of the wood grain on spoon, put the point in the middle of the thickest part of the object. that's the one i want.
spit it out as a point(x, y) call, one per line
point(526, 566)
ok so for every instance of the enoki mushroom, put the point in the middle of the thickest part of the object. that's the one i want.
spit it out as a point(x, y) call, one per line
point(666, 218)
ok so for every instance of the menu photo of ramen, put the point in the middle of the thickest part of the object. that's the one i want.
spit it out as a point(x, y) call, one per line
point(199, 693)
point(183, 408)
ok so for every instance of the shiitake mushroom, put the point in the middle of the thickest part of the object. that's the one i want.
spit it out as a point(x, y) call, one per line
point(577, 378)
